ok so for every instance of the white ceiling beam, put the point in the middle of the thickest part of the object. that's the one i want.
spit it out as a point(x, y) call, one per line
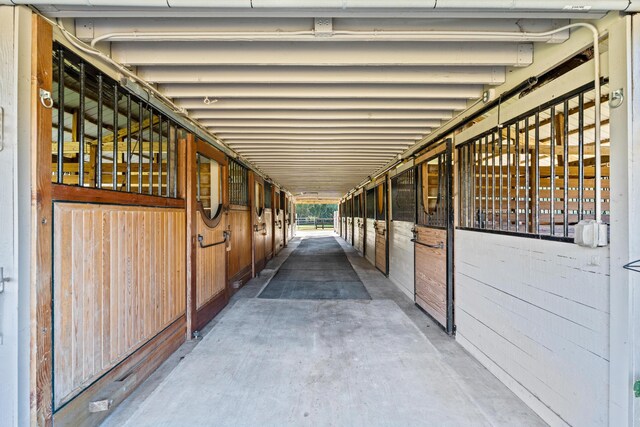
point(334, 124)
point(215, 91)
point(490, 75)
point(323, 103)
point(210, 114)
point(323, 54)
point(87, 29)
point(317, 149)
point(319, 139)
point(322, 143)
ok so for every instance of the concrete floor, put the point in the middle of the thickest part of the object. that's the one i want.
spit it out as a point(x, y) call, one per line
point(290, 362)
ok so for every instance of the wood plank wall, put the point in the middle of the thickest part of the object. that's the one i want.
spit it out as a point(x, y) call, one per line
point(240, 254)
point(268, 238)
point(119, 279)
point(370, 241)
point(210, 262)
point(431, 273)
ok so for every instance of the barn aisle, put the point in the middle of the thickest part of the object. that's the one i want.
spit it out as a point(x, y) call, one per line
point(323, 361)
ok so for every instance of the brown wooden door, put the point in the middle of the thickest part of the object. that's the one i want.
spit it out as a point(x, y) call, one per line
point(207, 213)
point(259, 224)
point(433, 236)
point(380, 226)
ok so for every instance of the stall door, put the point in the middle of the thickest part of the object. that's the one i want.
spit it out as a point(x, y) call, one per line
point(259, 225)
point(433, 237)
point(380, 226)
point(210, 236)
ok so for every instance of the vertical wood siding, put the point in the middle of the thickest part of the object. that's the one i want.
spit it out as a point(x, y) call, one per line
point(268, 238)
point(240, 254)
point(381, 247)
point(536, 313)
point(119, 279)
point(401, 262)
point(210, 262)
point(370, 242)
point(431, 273)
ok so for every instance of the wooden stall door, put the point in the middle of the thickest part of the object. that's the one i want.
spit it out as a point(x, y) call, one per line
point(380, 226)
point(207, 211)
point(433, 237)
point(259, 224)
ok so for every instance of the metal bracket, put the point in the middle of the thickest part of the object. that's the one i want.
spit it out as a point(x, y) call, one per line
point(1, 128)
point(226, 234)
point(3, 280)
point(633, 266)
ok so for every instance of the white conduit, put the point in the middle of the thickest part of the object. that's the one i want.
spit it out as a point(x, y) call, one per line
point(597, 100)
point(312, 35)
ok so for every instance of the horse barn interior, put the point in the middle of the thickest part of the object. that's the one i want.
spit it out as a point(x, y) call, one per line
point(483, 267)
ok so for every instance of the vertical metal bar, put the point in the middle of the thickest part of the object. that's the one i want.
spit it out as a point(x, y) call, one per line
point(129, 155)
point(81, 115)
point(161, 123)
point(493, 179)
point(537, 172)
point(150, 150)
point(474, 184)
point(478, 159)
point(517, 161)
point(176, 142)
point(500, 194)
point(99, 153)
point(170, 138)
point(509, 162)
point(486, 180)
point(115, 136)
point(581, 157)
point(141, 111)
point(565, 143)
point(527, 178)
point(552, 163)
point(61, 74)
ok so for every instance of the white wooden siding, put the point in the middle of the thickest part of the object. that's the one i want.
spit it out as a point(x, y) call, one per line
point(401, 259)
point(370, 252)
point(535, 312)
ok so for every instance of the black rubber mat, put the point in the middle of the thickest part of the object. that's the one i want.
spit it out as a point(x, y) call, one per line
point(317, 269)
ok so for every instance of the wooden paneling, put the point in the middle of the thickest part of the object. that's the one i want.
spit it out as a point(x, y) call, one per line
point(401, 256)
point(279, 228)
point(381, 246)
point(240, 253)
point(431, 272)
point(122, 380)
point(210, 262)
point(268, 237)
point(370, 241)
point(119, 279)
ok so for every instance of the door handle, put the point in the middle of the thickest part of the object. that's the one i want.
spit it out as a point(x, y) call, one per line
point(438, 246)
point(3, 280)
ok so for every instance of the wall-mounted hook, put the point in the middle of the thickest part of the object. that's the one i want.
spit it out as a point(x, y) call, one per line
point(45, 99)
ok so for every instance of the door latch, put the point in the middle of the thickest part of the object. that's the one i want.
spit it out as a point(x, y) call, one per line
point(3, 280)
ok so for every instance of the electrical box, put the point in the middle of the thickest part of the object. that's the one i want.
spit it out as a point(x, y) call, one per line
point(591, 234)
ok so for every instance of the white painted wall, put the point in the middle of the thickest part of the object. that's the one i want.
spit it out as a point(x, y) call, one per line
point(536, 314)
point(15, 214)
point(370, 252)
point(401, 259)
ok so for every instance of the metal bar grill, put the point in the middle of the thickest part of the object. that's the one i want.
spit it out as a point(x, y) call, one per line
point(545, 178)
